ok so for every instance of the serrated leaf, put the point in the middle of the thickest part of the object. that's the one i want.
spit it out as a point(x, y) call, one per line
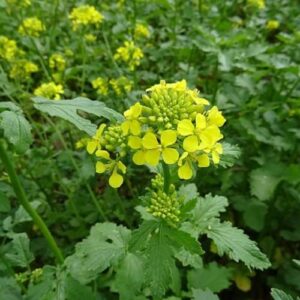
point(159, 263)
point(19, 253)
point(68, 110)
point(75, 291)
point(188, 192)
point(130, 273)
point(9, 288)
point(230, 154)
point(199, 294)
point(281, 295)
point(237, 245)
point(105, 246)
point(254, 215)
point(213, 277)
point(16, 129)
point(188, 259)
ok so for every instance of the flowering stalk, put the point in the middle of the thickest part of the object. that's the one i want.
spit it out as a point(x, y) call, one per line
point(21, 196)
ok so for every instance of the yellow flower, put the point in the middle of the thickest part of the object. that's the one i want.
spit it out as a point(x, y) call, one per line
point(141, 31)
point(131, 124)
point(8, 48)
point(130, 54)
point(84, 15)
point(94, 142)
point(149, 150)
point(82, 143)
point(57, 62)
point(101, 85)
point(31, 27)
point(90, 37)
point(272, 25)
point(113, 166)
point(49, 90)
point(121, 84)
point(20, 3)
point(22, 69)
point(260, 4)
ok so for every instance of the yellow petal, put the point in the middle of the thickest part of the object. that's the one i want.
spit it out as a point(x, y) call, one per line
point(209, 136)
point(115, 180)
point(150, 141)
point(190, 143)
point(125, 126)
point(136, 110)
point(215, 157)
point(100, 131)
point(103, 154)
point(91, 146)
point(201, 101)
point(139, 158)
point(135, 127)
point(200, 121)
point(121, 167)
point(185, 171)
point(185, 127)
point(170, 155)
point(215, 117)
point(203, 161)
point(219, 148)
point(168, 137)
point(134, 142)
point(152, 157)
point(100, 167)
point(182, 157)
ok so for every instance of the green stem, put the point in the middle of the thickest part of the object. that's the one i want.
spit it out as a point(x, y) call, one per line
point(167, 177)
point(21, 196)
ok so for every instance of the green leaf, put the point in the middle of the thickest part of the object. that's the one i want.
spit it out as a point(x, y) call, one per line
point(254, 215)
point(188, 192)
point(130, 273)
point(237, 245)
point(9, 289)
point(281, 295)
point(75, 291)
point(106, 245)
point(19, 253)
point(230, 154)
point(188, 259)
point(159, 263)
point(16, 129)
point(4, 203)
point(263, 182)
point(199, 294)
point(213, 277)
point(68, 110)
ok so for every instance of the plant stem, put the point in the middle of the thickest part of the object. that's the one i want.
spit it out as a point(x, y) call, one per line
point(167, 177)
point(21, 196)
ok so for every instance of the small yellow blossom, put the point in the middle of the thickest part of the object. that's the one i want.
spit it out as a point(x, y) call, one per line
point(121, 85)
point(8, 48)
point(141, 31)
point(31, 27)
point(82, 143)
point(130, 54)
point(272, 25)
point(90, 37)
point(49, 90)
point(22, 69)
point(94, 143)
point(57, 62)
point(85, 15)
point(114, 167)
point(101, 85)
point(260, 4)
point(131, 124)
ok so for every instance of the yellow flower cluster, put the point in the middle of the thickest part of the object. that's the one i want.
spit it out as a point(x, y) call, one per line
point(141, 31)
point(49, 90)
point(20, 3)
point(272, 25)
point(22, 69)
point(130, 54)
point(91, 38)
point(260, 4)
point(8, 48)
point(57, 62)
point(170, 125)
point(101, 85)
point(31, 27)
point(85, 15)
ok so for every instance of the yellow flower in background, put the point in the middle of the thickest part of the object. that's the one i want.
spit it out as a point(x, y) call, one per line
point(31, 27)
point(94, 142)
point(85, 15)
point(121, 85)
point(131, 124)
point(22, 69)
point(91, 38)
point(49, 90)
point(82, 143)
point(272, 24)
point(130, 54)
point(20, 3)
point(57, 62)
point(8, 48)
point(141, 31)
point(260, 4)
point(114, 167)
point(101, 85)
